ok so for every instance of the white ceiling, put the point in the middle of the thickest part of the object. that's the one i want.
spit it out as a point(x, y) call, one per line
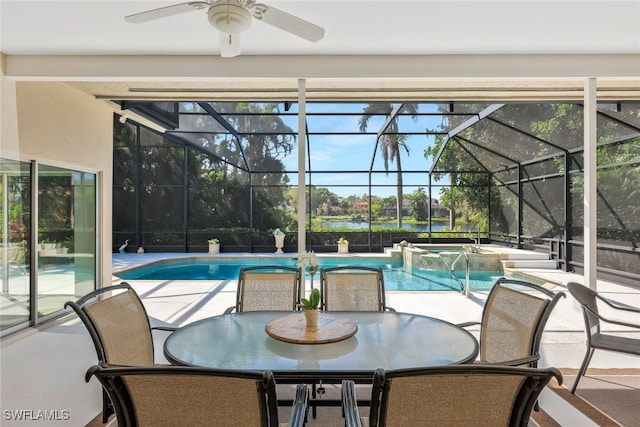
point(364, 39)
point(82, 27)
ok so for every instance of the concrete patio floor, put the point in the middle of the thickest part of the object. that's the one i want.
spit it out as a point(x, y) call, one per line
point(42, 369)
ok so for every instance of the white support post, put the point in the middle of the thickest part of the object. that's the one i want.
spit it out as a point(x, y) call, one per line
point(302, 148)
point(5, 235)
point(590, 184)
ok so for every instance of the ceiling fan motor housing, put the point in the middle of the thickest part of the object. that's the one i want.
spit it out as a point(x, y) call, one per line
point(229, 18)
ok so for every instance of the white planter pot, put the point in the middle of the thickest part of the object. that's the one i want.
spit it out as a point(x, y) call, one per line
point(311, 317)
point(343, 248)
point(214, 248)
point(279, 242)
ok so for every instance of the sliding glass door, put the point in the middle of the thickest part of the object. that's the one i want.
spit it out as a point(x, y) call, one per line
point(15, 209)
point(61, 245)
point(66, 248)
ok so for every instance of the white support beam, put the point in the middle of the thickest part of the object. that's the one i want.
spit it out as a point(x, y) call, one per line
point(183, 68)
point(590, 184)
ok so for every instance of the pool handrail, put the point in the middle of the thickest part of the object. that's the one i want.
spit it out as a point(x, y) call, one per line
point(464, 287)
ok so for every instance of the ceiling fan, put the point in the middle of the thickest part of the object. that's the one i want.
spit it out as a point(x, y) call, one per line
point(231, 17)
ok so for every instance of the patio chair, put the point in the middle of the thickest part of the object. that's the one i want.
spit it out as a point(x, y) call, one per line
point(186, 396)
point(594, 321)
point(267, 288)
point(513, 320)
point(119, 328)
point(17, 256)
point(352, 288)
point(454, 395)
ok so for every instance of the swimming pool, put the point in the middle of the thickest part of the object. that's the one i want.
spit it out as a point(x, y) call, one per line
point(396, 276)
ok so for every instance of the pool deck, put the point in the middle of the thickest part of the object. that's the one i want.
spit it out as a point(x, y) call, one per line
point(43, 368)
point(207, 298)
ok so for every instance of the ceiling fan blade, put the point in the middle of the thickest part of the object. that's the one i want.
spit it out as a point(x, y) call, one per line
point(163, 12)
point(229, 45)
point(287, 22)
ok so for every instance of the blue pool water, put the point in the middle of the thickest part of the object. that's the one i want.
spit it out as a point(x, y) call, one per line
point(396, 277)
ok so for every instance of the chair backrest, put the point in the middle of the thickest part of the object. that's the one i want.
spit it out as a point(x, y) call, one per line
point(271, 288)
point(513, 320)
point(16, 254)
point(118, 325)
point(186, 396)
point(352, 288)
point(587, 298)
point(457, 395)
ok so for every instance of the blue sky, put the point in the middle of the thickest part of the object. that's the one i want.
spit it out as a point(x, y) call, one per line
point(354, 152)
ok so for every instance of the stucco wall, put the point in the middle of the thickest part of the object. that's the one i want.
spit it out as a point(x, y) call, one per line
point(8, 117)
point(60, 126)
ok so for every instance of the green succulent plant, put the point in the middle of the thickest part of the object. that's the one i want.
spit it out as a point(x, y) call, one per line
point(313, 302)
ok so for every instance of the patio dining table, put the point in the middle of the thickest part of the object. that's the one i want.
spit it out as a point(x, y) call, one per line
point(388, 340)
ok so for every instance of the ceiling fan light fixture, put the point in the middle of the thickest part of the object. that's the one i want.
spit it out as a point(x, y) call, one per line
point(232, 17)
point(229, 18)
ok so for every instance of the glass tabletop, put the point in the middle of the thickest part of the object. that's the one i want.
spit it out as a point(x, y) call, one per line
point(388, 340)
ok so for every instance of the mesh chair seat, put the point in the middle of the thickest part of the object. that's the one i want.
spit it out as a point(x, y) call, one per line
point(352, 288)
point(119, 328)
point(513, 321)
point(457, 395)
point(123, 329)
point(267, 288)
point(177, 395)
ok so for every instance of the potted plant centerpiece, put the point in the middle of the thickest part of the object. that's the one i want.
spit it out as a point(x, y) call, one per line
point(310, 307)
point(214, 246)
point(309, 261)
point(343, 246)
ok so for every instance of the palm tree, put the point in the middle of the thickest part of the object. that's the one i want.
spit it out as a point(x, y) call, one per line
point(391, 141)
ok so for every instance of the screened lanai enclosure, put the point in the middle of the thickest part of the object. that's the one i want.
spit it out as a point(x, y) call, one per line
point(375, 174)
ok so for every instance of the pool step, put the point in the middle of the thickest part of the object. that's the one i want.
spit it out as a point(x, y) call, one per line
point(521, 255)
point(527, 263)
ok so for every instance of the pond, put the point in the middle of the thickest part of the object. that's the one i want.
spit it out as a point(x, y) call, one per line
point(421, 228)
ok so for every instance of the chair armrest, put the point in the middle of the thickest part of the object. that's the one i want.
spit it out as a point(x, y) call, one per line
point(299, 408)
point(229, 310)
point(557, 374)
point(515, 362)
point(617, 306)
point(350, 404)
point(467, 324)
point(163, 328)
point(613, 321)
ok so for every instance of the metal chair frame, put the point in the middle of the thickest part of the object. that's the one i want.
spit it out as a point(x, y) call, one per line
point(593, 320)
